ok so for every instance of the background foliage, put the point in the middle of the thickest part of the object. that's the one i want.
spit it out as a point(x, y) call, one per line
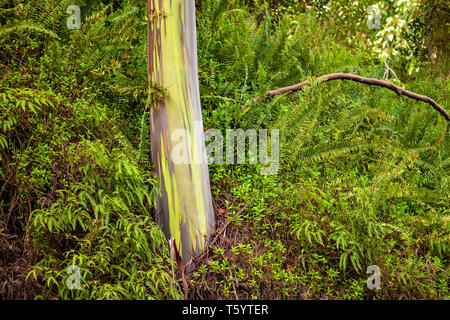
point(364, 174)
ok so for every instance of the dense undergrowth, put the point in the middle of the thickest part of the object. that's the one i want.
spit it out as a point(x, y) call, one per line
point(363, 177)
point(75, 188)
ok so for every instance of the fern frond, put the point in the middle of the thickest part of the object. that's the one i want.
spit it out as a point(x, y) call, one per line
point(27, 26)
point(340, 151)
point(144, 138)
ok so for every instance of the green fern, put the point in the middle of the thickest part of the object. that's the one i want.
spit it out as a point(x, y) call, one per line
point(144, 138)
point(20, 27)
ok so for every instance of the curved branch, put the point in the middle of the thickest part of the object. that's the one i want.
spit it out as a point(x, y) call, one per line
point(370, 81)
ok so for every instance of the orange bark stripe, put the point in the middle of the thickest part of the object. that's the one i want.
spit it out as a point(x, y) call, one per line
point(165, 137)
point(182, 49)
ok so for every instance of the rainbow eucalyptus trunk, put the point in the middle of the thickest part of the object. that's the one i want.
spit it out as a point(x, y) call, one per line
point(178, 143)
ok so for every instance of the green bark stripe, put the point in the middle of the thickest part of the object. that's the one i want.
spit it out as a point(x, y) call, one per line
point(184, 206)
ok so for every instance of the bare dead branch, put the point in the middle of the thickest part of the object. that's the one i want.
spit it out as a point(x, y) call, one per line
point(369, 81)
